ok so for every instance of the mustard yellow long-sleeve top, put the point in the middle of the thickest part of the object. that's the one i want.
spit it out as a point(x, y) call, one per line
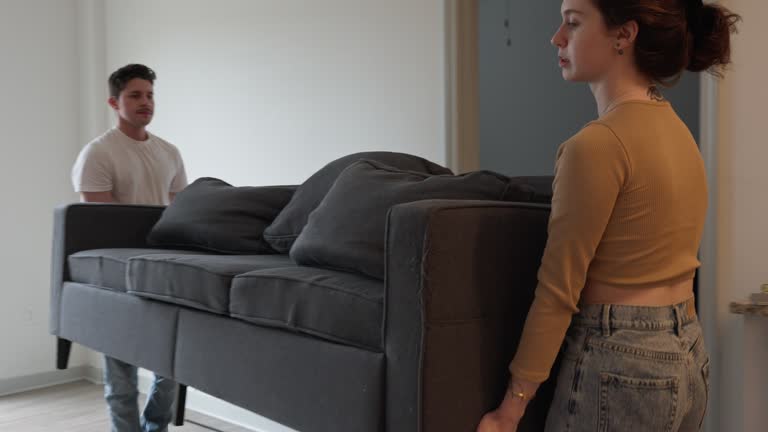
point(628, 209)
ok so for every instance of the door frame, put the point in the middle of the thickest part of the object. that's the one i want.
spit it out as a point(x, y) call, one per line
point(462, 107)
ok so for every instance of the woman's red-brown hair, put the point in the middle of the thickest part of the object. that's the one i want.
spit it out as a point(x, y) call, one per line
point(675, 35)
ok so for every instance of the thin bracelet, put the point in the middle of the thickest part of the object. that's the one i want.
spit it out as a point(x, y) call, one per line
point(520, 395)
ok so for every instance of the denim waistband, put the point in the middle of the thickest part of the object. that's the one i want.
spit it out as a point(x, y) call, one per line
point(608, 316)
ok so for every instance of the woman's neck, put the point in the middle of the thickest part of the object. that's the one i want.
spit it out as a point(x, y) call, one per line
point(609, 93)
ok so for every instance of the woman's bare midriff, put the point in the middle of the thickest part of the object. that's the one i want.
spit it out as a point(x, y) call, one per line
point(661, 295)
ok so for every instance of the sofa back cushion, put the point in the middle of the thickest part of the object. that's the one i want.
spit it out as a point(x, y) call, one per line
point(535, 189)
point(289, 223)
point(210, 214)
point(347, 230)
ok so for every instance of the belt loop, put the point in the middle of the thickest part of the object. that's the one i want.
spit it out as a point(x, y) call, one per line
point(678, 320)
point(605, 322)
point(690, 310)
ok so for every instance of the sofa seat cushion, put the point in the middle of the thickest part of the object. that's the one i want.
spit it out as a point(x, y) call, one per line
point(338, 306)
point(106, 268)
point(197, 281)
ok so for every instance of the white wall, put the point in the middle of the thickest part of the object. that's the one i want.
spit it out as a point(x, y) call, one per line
point(742, 203)
point(39, 141)
point(266, 92)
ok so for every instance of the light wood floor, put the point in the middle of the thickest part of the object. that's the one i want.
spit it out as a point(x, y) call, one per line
point(79, 407)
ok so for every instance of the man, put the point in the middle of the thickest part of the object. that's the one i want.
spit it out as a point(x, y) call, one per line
point(129, 165)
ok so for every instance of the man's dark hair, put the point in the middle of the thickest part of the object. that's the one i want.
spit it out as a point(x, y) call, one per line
point(119, 78)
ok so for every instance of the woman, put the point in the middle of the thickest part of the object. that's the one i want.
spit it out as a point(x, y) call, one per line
point(627, 216)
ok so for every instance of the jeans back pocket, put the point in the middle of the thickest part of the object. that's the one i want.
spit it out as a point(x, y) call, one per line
point(637, 404)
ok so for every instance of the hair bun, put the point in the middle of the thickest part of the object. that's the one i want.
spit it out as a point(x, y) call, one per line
point(693, 12)
point(710, 28)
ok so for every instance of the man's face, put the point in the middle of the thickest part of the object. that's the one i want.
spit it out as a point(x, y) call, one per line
point(135, 104)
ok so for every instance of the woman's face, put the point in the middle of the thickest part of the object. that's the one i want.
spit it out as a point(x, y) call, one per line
point(585, 48)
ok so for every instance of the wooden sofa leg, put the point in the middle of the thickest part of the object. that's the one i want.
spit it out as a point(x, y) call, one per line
point(181, 401)
point(63, 348)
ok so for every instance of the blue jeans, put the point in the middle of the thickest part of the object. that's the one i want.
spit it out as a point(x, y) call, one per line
point(632, 369)
point(121, 392)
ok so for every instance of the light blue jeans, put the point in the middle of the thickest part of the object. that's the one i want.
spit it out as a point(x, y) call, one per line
point(632, 369)
point(121, 392)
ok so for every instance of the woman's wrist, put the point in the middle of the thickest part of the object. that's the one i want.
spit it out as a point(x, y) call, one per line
point(522, 389)
point(512, 406)
point(519, 393)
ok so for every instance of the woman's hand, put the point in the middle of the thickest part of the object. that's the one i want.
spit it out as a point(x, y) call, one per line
point(507, 416)
point(499, 421)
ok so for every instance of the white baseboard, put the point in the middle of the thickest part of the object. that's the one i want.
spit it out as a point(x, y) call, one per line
point(94, 375)
point(48, 379)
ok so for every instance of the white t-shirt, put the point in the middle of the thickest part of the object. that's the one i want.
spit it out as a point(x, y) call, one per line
point(137, 172)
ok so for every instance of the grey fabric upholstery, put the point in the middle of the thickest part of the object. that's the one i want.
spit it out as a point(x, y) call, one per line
point(210, 214)
point(78, 227)
point(300, 381)
point(288, 225)
point(131, 329)
point(346, 231)
point(459, 280)
point(342, 307)
point(198, 281)
point(106, 268)
point(456, 302)
point(533, 189)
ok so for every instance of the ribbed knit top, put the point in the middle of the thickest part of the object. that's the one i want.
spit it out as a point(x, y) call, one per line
point(628, 209)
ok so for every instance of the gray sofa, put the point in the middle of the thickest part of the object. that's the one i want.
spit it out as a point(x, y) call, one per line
point(425, 350)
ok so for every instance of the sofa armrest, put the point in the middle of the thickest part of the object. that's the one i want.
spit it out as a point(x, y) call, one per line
point(460, 278)
point(84, 226)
